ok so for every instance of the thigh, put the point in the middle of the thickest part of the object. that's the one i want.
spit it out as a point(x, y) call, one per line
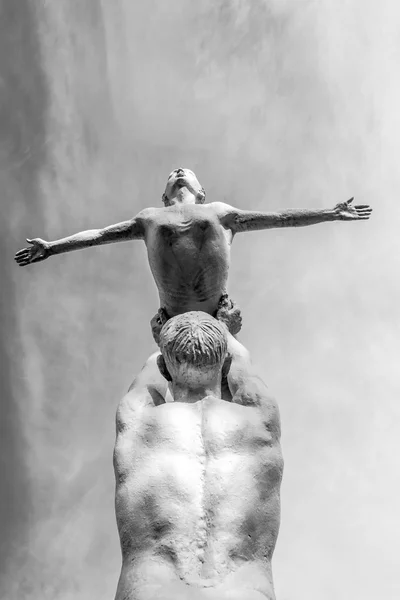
point(240, 368)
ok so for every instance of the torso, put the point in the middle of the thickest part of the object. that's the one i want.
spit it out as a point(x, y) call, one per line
point(188, 250)
point(198, 490)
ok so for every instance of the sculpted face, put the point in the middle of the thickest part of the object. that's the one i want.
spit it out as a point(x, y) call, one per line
point(180, 178)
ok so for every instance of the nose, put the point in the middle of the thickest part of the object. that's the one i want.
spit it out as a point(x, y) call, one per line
point(180, 171)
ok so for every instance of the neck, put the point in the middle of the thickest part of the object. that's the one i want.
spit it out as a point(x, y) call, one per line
point(184, 196)
point(183, 392)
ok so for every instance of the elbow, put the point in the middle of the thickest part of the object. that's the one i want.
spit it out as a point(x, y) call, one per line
point(238, 223)
point(100, 236)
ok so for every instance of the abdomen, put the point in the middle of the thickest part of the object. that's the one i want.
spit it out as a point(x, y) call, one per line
point(190, 265)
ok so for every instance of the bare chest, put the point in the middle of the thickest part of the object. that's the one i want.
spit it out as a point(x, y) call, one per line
point(187, 232)
point(193, 222)
point(189, 253)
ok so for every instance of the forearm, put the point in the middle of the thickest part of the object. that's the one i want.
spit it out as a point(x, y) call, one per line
point(83, 239)
point(96, 237)
point(253, 221)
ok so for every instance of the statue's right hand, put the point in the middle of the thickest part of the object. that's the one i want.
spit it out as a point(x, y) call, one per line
point(38, 251)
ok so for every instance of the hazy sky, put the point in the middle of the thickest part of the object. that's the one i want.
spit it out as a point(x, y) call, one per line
point(289, 103)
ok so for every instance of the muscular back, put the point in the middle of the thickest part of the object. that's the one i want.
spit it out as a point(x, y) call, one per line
point(188, 249)
point(198, 490)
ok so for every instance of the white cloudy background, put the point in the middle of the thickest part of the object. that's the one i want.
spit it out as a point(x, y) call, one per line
point(289, 103)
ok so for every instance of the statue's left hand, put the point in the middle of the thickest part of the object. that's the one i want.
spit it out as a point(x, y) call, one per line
point(345, 211)
point(38, 251)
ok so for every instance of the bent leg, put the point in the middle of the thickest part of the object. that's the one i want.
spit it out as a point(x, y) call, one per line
point(229, 313)
point(240, 367)
point(244, 385)
point(157, 323)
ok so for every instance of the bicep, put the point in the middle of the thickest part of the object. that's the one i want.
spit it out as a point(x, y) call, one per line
point(126, 230)
point(250, 220)
point(238, 220)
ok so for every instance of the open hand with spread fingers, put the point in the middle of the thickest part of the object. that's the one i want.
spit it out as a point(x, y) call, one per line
point(345, 211)
point(38, 251)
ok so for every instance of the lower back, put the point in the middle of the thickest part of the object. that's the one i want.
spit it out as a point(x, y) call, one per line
point(152, 579)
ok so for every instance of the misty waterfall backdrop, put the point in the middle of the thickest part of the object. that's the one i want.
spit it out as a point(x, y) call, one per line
point(273, 104)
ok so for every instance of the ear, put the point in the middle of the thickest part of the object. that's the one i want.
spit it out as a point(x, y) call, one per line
point(162, 367)
point(226, 366)
point(165, 199)
point(201, 196)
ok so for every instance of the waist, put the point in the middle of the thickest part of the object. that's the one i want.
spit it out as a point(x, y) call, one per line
point(153, 571)
point(193, 554)
point(177, 302)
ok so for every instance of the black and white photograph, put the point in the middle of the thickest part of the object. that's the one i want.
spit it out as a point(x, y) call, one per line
point(200, 300)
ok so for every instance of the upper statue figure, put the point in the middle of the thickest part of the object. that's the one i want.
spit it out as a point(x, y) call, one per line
point(188, 243)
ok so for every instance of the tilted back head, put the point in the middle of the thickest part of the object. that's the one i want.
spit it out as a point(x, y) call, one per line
point(183, 178)
point(193, 341)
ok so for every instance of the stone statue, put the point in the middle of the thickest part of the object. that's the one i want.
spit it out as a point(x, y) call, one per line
point(197, 479)
point(188, 245)
point(197, 457)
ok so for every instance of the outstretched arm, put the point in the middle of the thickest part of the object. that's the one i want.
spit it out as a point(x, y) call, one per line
point(41, 249)
point(244, 220)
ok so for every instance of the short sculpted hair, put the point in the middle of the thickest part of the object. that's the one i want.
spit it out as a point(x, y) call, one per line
point(194, 339)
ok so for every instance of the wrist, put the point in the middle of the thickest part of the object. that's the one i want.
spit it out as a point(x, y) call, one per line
point(50, 249)
point(332, 214)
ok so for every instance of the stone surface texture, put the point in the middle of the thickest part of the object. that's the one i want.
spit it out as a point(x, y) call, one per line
point(197, 479)
point(197, 458)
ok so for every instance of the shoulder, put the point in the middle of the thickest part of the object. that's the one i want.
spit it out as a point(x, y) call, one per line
point(225, 212)
point(221, 208)
point(143, 220)
point(148, 214)
point(148, 389)
point(255, 394)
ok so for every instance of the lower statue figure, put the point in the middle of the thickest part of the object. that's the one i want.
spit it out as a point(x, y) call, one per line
point(198, 471)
